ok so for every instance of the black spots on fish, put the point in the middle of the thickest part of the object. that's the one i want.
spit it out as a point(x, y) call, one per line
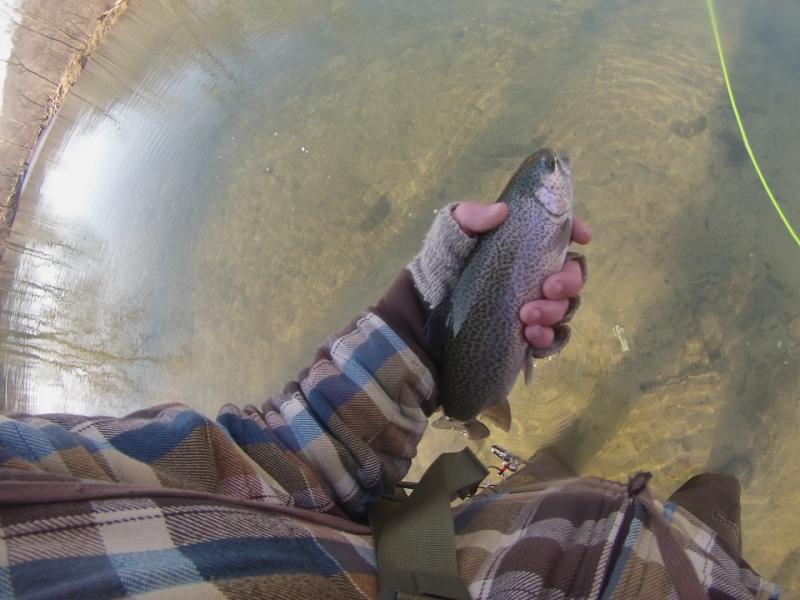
point(484, 346)
point(377, 214)
point(689, 129)
point(527, 184)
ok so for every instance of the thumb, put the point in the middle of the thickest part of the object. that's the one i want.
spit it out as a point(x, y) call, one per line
point(475, 218)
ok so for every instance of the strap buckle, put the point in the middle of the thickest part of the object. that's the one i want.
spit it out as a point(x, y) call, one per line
point(414, 535)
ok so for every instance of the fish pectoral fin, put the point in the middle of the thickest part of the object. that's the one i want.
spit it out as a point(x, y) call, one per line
point(527, 365)
point(499, 414)
point(562, 335)
point(581, 260)
point(436, 326)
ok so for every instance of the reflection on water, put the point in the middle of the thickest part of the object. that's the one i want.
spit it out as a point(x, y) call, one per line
point(241, 180)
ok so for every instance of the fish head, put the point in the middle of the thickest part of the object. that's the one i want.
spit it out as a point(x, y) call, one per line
point(545, 179)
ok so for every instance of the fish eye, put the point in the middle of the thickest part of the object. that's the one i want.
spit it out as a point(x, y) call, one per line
point(551, 164)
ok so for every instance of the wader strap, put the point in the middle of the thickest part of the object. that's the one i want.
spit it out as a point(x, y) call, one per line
point(414, 537)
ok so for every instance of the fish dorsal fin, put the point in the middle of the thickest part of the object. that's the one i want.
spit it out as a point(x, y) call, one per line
point(499, 414)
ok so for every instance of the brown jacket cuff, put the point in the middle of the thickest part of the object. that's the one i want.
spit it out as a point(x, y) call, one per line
point(402, 308)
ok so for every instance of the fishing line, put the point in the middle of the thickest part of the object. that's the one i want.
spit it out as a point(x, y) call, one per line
point(713, 15)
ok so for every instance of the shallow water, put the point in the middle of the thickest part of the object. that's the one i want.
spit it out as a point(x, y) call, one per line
point(230, 183)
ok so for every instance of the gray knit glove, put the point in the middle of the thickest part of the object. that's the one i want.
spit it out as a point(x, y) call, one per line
point(437, 267)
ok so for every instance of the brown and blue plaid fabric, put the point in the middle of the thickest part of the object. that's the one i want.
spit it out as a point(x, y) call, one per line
point(270, 502)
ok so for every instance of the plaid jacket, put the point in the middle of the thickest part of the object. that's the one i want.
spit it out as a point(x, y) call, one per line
point(270, 502)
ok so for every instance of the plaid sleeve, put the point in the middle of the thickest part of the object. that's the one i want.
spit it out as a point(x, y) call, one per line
point(721, 575)
point(331, 442)
point(348, 429)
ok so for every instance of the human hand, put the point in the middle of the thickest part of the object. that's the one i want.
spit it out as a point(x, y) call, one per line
point(560, 289)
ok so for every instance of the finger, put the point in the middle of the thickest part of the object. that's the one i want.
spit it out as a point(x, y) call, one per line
point(581, 234)
point(564, 284)
point(475, 218)
point(544, 312)
point(539, 336)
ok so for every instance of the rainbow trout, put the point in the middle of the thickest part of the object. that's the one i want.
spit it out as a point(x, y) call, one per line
point(479, 329)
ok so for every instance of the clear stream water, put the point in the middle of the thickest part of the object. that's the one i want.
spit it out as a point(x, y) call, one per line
point(228, 183)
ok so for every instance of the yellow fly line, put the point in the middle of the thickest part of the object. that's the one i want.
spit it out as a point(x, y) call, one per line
point(713, 15)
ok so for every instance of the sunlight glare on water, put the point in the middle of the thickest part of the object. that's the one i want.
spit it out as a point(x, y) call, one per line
point(231, 182)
